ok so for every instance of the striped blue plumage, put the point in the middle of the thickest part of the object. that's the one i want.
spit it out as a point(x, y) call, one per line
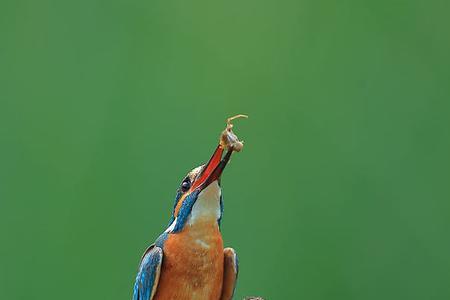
point(148, 273)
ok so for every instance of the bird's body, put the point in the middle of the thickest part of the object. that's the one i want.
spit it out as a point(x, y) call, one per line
point(193, 267)
point(188, 260)
point(193, 258)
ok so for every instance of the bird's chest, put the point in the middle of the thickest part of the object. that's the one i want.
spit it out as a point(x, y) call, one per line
point(193, 263)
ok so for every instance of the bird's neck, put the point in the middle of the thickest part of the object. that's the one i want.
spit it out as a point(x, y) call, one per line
point(201, 229)
point(205, 211)
point(207, 207)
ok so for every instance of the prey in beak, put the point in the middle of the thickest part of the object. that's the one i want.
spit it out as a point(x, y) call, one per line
point(216, 164)
point(200, 193)
point(213, 169)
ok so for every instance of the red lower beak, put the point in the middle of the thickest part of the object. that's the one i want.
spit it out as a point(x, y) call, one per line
point(213, 168)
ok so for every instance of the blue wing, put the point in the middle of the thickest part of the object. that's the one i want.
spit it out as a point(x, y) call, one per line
point(148, 274)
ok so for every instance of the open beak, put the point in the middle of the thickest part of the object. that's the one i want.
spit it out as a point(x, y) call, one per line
point(213, 168)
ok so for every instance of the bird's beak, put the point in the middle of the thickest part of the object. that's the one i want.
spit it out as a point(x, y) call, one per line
point(213, 168)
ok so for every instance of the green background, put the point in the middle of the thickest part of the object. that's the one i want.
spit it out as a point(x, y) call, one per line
point(341, 192)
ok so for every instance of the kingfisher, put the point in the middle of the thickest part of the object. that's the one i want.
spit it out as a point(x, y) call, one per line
point(188, 260)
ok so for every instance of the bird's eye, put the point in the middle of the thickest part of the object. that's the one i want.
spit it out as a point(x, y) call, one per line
point(185, 185)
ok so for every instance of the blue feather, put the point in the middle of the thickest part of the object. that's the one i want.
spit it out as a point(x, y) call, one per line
point(221, 210)
point(148, 272)
point(185, 210)
point(177, 198)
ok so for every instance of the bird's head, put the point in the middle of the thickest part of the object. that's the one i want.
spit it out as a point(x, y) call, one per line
point(199, 194)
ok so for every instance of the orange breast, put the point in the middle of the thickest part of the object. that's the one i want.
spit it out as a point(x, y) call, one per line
point(192, 264)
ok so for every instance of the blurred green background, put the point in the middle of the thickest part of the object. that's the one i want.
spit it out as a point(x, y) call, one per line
point(342, 190)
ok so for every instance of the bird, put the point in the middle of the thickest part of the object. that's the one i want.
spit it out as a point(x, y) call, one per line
point(188, 260)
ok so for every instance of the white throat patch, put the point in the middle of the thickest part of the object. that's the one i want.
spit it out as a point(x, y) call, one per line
point(207, 205)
